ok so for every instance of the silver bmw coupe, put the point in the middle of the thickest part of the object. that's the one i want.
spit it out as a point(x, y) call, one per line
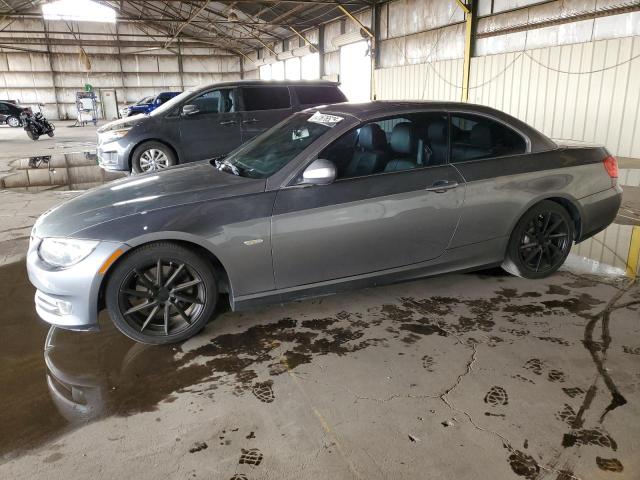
point(336, 197)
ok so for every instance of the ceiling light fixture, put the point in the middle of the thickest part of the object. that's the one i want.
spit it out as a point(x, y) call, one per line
point(78, 11)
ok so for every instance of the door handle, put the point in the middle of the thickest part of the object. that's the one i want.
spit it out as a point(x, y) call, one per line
point(251, 120)
point(442, 186)
point(228, 122)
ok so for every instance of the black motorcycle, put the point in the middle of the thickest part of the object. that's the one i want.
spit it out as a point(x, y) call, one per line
point(35, 124)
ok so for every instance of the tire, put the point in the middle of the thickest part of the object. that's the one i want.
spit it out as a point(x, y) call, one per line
point(540, 242)
point(32, 135)
point(50, 134)
point(13, 121)
point(170, 314)
point(152, 156)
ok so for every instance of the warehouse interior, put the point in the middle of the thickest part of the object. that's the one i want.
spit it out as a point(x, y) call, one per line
point(513, 378)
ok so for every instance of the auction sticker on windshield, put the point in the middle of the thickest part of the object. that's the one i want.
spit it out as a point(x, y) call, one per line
point(325, 119)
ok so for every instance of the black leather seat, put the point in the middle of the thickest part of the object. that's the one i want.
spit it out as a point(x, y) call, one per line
point(479, 145)
point(437, 142)
point(371, 155)
point(404, 146)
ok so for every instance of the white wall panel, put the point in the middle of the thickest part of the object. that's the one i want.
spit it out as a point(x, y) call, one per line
point(563, 90)
point(419, 82)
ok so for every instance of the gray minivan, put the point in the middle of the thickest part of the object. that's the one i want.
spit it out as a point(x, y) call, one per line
point(206, 123)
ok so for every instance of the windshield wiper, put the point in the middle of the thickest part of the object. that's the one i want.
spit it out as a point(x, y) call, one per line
point(222, 165)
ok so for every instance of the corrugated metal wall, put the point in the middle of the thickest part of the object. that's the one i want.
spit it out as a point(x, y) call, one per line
point(424, 81)
point(585, 91)
point(52, 79)
point(569, 91)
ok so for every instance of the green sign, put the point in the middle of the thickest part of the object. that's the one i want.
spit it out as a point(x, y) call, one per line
point(88, 87)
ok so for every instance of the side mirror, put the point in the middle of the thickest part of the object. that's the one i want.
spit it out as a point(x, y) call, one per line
point(190, 109)
point(320, 172)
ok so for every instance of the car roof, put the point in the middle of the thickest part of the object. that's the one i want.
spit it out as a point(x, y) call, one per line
point(286, 83)
point(372, 108)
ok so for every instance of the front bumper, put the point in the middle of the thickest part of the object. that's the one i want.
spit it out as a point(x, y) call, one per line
point(114, 155)
point(69, 297)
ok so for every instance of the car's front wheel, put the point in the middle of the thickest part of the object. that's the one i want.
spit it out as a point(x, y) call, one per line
point(32, 134)
point(161, 293)
point(152, 156)
point(13, 121)
point(540, 242)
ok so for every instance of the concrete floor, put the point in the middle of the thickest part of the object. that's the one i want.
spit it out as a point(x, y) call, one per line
point(465, 376)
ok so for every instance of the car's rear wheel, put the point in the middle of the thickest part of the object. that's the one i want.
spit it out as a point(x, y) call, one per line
point(161, 293)
point(151, 157)
point(540, 242)
point(13, 121)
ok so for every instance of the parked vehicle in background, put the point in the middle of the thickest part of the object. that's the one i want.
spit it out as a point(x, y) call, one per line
point(151, 104)
point(207, 122)
point(36, 125)
point(124, 111)
point(346, 195)
point(10, 113)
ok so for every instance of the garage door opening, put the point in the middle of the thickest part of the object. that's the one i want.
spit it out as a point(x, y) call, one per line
point(355, 71)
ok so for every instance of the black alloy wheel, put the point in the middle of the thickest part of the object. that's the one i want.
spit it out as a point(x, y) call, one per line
point(161, 293)
point(544, 242)
point(540, 242)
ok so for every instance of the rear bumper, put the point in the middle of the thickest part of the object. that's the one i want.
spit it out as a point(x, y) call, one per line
point(598, 211)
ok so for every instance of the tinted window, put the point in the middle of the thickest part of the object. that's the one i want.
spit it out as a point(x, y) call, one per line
point(310, 95)
point(214, 101)
point(266, 98)
point(4, 108)
point(163, 97)
point(474, 137)
point(390, 145)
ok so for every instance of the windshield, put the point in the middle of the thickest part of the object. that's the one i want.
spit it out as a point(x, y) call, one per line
point(272, 150)
point(171, 104)
point(144, 101)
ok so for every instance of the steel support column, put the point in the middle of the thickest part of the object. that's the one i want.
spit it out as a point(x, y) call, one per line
point(469, 14)
point(321, 50)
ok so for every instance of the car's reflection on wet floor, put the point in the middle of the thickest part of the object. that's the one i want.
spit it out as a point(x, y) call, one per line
point(86, 383)
point(62, 171)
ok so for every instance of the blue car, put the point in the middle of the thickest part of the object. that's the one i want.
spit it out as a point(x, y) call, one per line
point(149, 104)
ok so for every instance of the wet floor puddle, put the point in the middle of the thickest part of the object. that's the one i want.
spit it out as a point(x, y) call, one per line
point(54, 381)
point(66, 171)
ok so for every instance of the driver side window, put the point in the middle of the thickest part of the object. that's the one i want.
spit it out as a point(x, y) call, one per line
point(391, 144)
point(215, 101)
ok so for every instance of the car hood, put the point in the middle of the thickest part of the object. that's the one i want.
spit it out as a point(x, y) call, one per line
point(188, 184)
point(122, 123)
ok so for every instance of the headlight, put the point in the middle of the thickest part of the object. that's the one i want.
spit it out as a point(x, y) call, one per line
point(64, 252)
point(112, 135)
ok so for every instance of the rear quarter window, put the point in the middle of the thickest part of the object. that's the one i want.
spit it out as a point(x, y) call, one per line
point(315, 95)
point(474, 137)
point(266, 98)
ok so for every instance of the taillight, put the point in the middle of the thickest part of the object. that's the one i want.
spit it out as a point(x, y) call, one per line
point(611, 166)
